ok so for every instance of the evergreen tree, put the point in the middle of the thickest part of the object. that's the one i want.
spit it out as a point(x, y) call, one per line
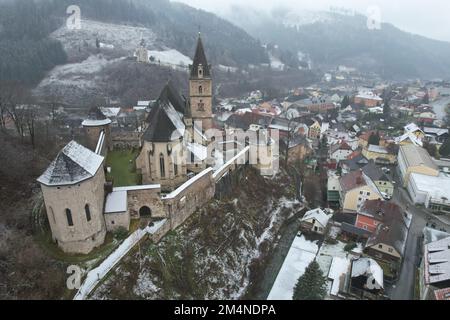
point(445, 149)
point(387, 110)
point(312, 285)
point(345, 102)
point(374, 139)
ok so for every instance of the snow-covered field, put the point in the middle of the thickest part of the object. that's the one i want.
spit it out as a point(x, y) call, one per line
point(170, 56)
point(118, 37)
point(300, 255)
point(80, 74)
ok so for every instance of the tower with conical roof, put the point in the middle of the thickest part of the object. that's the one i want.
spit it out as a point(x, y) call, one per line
point(200, 88)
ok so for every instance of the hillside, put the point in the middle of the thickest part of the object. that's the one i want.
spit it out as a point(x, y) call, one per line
point(331, 39)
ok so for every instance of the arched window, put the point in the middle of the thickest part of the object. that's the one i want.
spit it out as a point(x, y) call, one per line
point(53, 215)
point(162, 166)
point(200, 89)
point(87, 210)
point(69, 217)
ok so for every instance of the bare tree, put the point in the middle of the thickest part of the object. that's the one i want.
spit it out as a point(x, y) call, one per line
point(16, 107)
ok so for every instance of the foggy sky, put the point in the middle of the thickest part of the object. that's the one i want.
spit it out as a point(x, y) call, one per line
point(430, 18)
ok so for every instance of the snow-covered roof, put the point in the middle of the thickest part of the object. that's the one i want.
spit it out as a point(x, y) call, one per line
point(110, 112)
point(436, 187)
point(95, 123)
point(72, 165)
point(437, 261)
point(339, 267)
point(411, 136)
point(317, 214)
point(136, 188)
point(412, 127)
point(116, 202)
point(377, 149)
point(368, 95)
point(369, 268)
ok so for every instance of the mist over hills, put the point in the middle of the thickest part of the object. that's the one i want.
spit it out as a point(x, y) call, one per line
point(330, 39)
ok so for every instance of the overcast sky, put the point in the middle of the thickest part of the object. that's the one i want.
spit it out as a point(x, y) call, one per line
point(430, 18)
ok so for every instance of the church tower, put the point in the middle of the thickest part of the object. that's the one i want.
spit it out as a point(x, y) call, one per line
point(200, 88)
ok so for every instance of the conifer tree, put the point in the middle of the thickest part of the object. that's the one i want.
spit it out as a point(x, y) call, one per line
point(312, 285)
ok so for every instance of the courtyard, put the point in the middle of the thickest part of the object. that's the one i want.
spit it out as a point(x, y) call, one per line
point(122, 164)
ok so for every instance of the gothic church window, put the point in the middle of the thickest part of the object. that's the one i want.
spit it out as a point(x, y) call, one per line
point(162, 166)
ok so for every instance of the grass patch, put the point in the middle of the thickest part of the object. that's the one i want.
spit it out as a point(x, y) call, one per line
point(123, 168)
point(45, 240)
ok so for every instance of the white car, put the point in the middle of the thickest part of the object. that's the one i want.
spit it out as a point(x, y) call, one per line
point(386, 196)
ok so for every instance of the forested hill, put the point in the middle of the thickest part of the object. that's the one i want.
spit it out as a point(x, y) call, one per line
point(331, 39)
point(27, 52)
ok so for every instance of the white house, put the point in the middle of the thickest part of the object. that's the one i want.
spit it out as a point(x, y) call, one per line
point(316, 220)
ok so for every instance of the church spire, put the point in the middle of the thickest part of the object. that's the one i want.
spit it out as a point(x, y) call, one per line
point(200, 67)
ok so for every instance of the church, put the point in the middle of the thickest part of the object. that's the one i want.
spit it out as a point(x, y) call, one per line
point(179, 164)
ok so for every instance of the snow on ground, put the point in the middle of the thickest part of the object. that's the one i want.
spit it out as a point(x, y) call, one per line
point(276, 63)
point(170, 56)
point(221, 67)
point(117, 36)
point(96, 275)
point(80, 74)
point(300, 255)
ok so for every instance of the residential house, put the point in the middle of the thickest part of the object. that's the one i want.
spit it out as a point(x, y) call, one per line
point(363, 139)
point(340, 152)
point(414, 159)
point(355, 189)
point(355, 161)
point(314, 128)
point(388, 240)
point(366, 280)
point(379, 154)
point(333, 190)
point(368, 99)
point(316, 221)
point(380, 179)
point(412, 135)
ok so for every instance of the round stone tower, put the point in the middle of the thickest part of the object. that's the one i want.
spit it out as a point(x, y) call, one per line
point(96, 123)
point(74, 195)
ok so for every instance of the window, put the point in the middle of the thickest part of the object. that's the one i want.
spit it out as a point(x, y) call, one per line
point(380, 246)
point(200, 90)
point(162, 166)
point(87, 210)
point(175, 169)
point(364, 227)
point(201, 106)
point(390, 250)
point(360, 192)
point(53, 215)
point(69, 217)
point(368, 194)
